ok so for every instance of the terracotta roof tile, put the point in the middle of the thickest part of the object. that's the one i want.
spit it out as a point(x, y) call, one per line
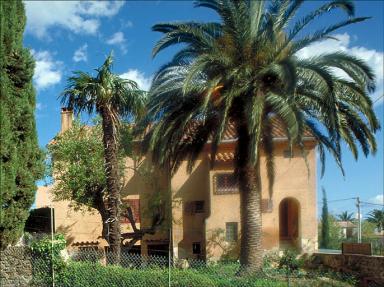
point(278, 131)
point(224, 157)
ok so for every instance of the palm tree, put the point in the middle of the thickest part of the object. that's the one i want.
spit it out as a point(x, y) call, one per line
point(112, 98)
point(376, 217)
point(244, 70)
point(345, 216)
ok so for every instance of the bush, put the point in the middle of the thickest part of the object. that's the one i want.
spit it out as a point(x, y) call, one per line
point(94, 274)
point(85, 274)
point(290, 261)
point(46, 256)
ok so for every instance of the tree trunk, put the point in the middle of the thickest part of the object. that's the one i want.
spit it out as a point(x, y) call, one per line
point(113, 185)
point(100, 206)
point(251, 253)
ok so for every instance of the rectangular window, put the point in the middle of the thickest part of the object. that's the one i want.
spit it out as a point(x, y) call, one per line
point(196, 248)
point(135, 206)
point(231, 230)
point(199, 206)
point(192, 207)
point(225, 183)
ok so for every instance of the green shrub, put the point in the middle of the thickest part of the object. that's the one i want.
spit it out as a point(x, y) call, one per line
point(88, 274)
point(82, 274)
point(46, 256)
point(290, 261)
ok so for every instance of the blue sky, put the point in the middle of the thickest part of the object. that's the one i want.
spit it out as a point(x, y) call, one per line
point(71, 35)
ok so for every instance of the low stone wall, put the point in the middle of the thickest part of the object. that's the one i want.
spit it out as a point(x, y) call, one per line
point(15, 267)
point(368, 268)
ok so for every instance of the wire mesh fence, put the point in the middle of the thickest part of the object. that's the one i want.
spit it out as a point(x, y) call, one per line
point(93, 268)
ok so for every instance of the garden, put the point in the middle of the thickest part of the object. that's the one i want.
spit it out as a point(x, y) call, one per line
point(89, 268)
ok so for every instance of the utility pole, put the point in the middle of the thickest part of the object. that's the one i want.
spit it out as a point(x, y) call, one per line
point(359, 219)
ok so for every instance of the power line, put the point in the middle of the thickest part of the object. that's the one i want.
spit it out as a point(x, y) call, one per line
point(375, 101)
point(342, 199)
point(377, 204)
point(336, 200)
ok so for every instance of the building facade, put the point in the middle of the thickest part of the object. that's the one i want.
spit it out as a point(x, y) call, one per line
point(203, 207)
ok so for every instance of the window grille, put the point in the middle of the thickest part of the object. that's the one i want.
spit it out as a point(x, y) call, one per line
point(225, 183)
point(88, 248)
point(231, 229)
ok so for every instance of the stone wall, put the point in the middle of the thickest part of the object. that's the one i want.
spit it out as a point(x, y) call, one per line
point(367, 268)
point(15, 267)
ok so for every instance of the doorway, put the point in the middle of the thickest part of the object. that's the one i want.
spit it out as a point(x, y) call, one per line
point(289, 213)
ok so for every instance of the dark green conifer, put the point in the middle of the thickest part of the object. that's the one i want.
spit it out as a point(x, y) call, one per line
point(324, 239)
point(20, 156)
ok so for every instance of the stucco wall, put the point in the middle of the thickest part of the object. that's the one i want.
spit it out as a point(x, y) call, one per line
point(185, 187)
point(293, 179)
point(143, 181)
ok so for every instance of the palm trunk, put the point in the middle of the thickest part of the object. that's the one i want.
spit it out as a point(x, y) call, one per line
point(251, 254)
point(111, 169)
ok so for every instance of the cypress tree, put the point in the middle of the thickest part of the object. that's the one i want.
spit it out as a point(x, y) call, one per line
point(324, 240)
point(21, 160)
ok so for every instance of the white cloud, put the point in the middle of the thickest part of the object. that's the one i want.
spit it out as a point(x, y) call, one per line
point(375, 59)
point(139, 77)
point(76, 16)
point(119, 40)
point(47, 70)
point(80, 54)
point(378, 199)
point(40, 106)
point(126, 24)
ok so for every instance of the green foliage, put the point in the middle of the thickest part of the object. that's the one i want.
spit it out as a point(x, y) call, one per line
point(113, 99)
point(289, 261)
point(367, 229)
point(20, 156)
point(46, 248)
point(324, 238)
point(79, 177)
point(86, 274)
point(345, 216)
point(334, 235)
point(243, 69)
point(47, 257)
point(376, 217)
point(230, 250)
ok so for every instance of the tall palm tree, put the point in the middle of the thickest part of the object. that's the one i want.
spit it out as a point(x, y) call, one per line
point(345, 216)
point(244, 70)
point(376, 217)
point(112, 98)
